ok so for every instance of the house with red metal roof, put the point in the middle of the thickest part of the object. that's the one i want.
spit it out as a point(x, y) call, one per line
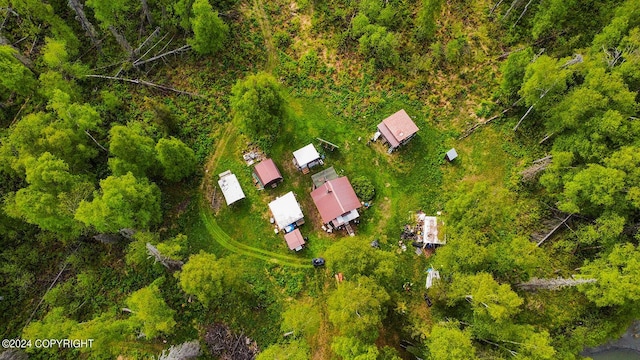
point(266, 174)
point(337, 203)
point(396, 130)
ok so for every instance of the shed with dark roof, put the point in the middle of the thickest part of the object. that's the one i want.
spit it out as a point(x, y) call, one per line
point(323, 176)
point(267, 174)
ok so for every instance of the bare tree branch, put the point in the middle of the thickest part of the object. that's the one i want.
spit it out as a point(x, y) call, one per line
point(23, 59)
point(547, 137)
point(577, 58)
point(170, 264)
point(144, 43)
point(470, 130)
point(523, 12)
point(513, 4)
point(151, 48)
point(554, 230)
point(95, 141)
point(495, 7)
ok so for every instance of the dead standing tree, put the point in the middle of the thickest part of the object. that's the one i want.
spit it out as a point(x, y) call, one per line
point(88, 27)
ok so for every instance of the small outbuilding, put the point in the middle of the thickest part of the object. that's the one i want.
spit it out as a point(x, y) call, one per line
point(323, 176)
point(266, 174)
point(230, 187)
point(306, 158)
point(451, 155)
point(396, 130)
point(286, 211)
point(294, 240)
point(337, 202)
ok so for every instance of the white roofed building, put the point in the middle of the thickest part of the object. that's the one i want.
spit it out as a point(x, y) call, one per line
point(230, 187)
point(306, 158)
point(286, 211)
point(430, 227)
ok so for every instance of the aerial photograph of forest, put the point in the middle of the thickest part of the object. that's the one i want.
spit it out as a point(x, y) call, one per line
point(320, 179)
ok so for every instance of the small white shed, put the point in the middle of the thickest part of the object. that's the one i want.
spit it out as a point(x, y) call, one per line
point(306, 158)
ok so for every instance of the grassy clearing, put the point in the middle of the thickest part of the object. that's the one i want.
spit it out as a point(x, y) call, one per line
point(338, 97)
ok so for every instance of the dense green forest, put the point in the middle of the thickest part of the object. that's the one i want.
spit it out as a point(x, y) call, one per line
point(116, 117)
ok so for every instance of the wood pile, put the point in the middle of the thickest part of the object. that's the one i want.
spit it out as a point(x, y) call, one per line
point(225, 345)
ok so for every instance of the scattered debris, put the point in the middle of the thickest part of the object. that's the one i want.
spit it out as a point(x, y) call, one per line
point(225, 345)
point(252, 157)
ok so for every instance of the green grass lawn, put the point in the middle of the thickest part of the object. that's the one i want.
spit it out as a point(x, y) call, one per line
point(405, 181)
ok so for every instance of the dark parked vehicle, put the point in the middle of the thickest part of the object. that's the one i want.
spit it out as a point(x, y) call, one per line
point(428, 300)
point(317, 262)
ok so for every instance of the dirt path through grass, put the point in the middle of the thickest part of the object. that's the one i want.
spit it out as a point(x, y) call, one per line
point(214, 230)
point(230, 244)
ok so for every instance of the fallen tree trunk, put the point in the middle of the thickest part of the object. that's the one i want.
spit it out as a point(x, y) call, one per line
point(539, 165)
point(145, 83)
point(161, 56)
point(554, 230)
point(552, 284)
point(173, 265)
point(470, 130)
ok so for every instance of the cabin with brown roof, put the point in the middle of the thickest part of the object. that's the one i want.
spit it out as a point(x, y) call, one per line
point(266, 174)
point(337, 203)
point(396, 130)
